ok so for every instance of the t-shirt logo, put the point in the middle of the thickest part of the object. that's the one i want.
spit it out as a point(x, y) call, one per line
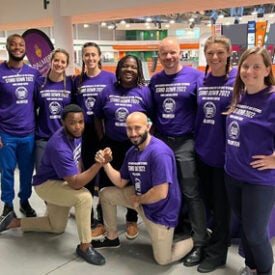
point(169, 105)
point(234, 130)
point(209, 109)
point(21, 93)
point(121, 114)
point(89, 103)
point(55, 108)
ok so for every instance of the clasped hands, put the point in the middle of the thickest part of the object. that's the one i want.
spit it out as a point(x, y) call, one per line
point(104, 156)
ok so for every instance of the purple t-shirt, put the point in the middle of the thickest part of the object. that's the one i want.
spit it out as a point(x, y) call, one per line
point(151, 167)
point(213, 98)
point(89, 90)
point(16, 100)
point(251, 131)
point(174, 98)
point(60, 158)
point(115, 103)
point(50, 101)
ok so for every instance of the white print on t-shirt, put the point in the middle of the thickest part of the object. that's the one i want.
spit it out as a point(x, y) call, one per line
point(121, 115)
point(233, 133)
point(22, 94)
point(89, 104)
point(169, 107)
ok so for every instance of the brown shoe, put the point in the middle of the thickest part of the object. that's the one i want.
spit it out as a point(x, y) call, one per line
point(98, 232)
point(131, 230)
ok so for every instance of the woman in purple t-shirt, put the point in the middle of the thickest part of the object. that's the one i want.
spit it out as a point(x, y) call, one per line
point(52, 94)
point(249, 158)
point(87, 86)
point(213, 98)
point(114, 103)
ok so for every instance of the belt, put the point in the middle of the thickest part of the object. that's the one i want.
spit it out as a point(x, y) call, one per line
point(175, 138)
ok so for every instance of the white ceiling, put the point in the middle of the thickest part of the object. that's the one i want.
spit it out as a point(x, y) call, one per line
point(19, 14)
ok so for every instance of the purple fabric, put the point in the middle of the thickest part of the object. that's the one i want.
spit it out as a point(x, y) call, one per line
point(115, 103)
point(251, 131)
point(213, 98)
point(174, 98)
point(60, 159)
point(17, 100)
point(50, 101)
point(90, 88)
point(151, 167)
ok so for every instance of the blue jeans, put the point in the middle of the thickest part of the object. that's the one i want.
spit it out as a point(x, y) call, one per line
point(16, 151)
point(253, 205)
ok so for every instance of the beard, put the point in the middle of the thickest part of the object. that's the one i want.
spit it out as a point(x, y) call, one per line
point(143, 137)
point(16, 58)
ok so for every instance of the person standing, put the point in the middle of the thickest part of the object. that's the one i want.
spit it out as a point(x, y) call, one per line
point(60, 183)
point(155, 195)
point(17, 125)
point(174, 98)
point(114, 104)
point(52, 93)
point(87, 86)
point(213, 98)
point(249, 157)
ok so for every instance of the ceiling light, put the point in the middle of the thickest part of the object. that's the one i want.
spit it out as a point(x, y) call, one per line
point(86, 26)
point(103, 24)
point(122, 22)
point(148, 19)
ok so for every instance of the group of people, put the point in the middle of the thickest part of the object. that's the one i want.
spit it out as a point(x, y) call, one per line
point(187, 146)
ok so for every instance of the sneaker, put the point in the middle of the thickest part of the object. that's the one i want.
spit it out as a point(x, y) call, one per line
point(131, 230)
point(5, 221)
point(247, 271)
point(27, 210)
point(7, 209)
point(98, 232)
point(91, 256)
point(106, 243)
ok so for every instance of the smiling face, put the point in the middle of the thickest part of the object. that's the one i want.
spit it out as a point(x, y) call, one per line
point(91, 57)
point(59, 62)
point(128, 73)
point(169, 55)
point(216, 55)
point(253, 72)
point(16, 48)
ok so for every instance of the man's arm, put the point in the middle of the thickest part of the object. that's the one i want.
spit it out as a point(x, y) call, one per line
point(80, 180)
point(115, 176)
point(155, 194)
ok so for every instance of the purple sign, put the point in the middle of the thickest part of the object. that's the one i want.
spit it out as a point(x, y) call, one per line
point(38, 49)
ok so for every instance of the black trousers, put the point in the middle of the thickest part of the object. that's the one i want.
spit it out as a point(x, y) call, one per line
point(213, 189)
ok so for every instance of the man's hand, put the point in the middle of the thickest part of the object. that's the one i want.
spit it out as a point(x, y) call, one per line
point(135, 200)
point(104, 156)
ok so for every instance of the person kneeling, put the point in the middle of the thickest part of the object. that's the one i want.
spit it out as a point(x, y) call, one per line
point(150, 165)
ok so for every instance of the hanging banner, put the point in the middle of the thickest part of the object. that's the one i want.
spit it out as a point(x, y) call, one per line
point(38, 49)
point(251, 29)
point(260, 33)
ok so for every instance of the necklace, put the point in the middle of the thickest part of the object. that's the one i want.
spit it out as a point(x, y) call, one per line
point(15, 70)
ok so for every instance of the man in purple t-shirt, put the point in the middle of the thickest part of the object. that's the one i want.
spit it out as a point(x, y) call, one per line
point(174, 96)
point(150, 165)
point(60, 183)
point(17, 125)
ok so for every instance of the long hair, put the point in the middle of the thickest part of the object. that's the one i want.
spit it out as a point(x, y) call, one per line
point(227, 44)
point(239, 86)
point(81, 77)
point(53, 53)
point(140, 79)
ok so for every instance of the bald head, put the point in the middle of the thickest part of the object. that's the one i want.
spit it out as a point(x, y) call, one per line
point(169, 55)
point(169, 42)
point(137, 127)
point(139, 117)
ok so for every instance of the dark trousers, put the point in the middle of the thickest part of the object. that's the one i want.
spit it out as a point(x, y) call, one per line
point(119, 150)
point(214, 192)
point(253, 205)
point(183, 148)
point(89, 147)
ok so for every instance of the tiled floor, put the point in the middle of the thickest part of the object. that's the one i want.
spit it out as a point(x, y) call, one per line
point(42, 253)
